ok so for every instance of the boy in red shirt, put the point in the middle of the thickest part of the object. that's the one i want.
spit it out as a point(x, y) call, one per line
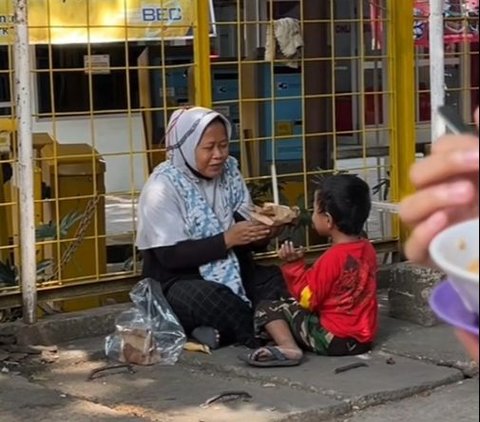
point(334, 310)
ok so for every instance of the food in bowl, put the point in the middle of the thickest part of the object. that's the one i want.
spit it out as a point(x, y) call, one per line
point(474, 266)
point(456, 252)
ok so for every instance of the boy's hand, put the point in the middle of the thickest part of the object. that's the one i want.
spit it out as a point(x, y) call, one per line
point(288, 252)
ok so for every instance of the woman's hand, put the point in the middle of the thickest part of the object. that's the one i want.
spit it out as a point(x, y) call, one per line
point(470, 342)
point(288, 252)
point(276, 231)
point(244, 233)
point(447, 191)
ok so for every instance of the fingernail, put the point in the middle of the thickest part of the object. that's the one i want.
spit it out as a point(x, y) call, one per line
point(469, 158)
point(437, 220)
point(457, 191)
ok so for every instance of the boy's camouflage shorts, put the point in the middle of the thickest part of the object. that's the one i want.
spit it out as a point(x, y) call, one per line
point(304, 325)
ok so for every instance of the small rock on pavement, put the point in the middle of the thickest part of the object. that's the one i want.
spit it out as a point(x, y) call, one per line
point(7, 339)
point(38, 349)
point(48, 357)
point(4, 355)
point(17, 357)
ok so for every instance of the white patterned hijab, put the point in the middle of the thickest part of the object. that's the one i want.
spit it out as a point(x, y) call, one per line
point(184, 133)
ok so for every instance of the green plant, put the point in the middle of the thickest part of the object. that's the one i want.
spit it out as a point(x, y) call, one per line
point(261, 191)
point(49, 230)
point(324, 173)
point(9, 274)
point(382, 188)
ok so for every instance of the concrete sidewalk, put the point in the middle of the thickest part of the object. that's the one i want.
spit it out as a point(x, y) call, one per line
point(414, 373)
point(457, 402)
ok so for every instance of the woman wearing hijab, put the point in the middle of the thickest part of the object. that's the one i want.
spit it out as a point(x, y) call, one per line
point(195, 235)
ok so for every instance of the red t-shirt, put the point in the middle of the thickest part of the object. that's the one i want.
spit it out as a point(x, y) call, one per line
point(341, 288)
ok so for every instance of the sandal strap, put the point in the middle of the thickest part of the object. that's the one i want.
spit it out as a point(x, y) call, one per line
point(274, 351)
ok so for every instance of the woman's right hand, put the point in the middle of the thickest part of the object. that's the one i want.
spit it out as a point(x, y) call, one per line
point(244, 233)
point(447, 192)
point(470, 342)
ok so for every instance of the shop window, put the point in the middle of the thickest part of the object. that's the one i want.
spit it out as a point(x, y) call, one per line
point(71, 86)
point(5, 107)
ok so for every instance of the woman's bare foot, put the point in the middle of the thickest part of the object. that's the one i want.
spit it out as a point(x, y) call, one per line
point(208, 336)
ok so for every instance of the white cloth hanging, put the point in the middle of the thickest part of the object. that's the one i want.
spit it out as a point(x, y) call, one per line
point(287, 35)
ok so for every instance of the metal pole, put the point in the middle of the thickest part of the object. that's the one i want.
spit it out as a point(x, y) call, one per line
point(25, 162)
point(317, 83)
point(437, 66)
point(201, 48)
point(402, 103)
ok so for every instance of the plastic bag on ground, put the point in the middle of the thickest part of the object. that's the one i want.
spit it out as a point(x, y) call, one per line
point(149, 332)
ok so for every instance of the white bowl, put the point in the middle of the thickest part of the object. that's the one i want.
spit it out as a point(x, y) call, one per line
point(454, 250)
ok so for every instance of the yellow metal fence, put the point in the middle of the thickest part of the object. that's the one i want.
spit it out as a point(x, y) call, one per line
point(105, 86)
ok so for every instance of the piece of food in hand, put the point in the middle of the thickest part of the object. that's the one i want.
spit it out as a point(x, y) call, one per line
point(275, 215)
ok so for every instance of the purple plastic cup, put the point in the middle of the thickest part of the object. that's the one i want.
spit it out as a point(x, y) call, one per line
point(450, 308)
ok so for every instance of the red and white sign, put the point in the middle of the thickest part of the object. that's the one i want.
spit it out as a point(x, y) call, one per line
point(461, 22)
